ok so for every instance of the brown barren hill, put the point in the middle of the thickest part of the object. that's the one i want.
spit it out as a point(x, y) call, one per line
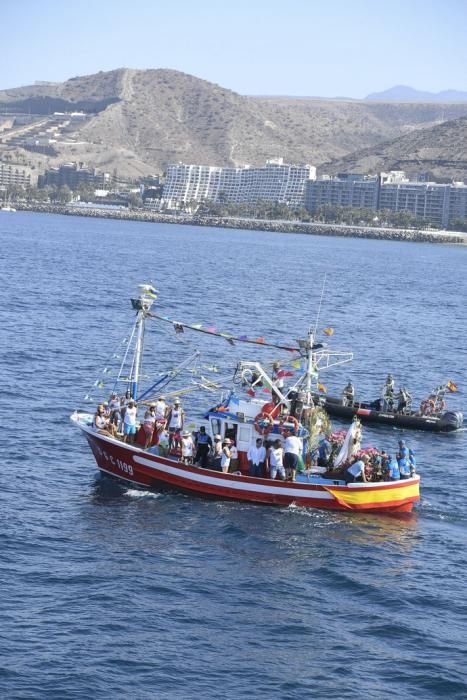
point(440, 152)
point(143, 119)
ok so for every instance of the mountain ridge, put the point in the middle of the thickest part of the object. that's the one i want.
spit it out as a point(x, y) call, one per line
point(141, 120)
point(405, 93)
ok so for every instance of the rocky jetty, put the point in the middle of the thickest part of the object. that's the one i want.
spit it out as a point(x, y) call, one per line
point(315, 229)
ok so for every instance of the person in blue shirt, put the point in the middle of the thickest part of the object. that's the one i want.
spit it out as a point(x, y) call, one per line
point(393, 467)
point(324, 452)
point(356, 470)
point(403, 450)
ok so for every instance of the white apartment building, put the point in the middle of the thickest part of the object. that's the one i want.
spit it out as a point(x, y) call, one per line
point(274, 182)
point(11, 176)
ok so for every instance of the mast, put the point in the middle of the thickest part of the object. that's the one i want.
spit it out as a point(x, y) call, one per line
point(309, 370)
point(142, 305)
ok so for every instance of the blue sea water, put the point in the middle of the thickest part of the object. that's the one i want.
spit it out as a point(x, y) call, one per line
point(108, 591)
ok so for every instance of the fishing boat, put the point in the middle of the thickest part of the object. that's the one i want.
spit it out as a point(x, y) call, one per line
point(431, 415)
point(244, 414)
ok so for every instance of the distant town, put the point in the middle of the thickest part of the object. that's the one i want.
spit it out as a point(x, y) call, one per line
point(275, 190)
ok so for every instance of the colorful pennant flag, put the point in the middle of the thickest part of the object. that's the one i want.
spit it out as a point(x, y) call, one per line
point(451, 386)
point(322, 388)
point(282, 373)
point(297, 364)
point(328, 331)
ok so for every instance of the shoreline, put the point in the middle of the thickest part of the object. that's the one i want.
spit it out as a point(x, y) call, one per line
point(314, 228)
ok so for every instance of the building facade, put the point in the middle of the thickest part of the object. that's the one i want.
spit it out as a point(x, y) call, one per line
point(274, 182)
point(12, 176)
point(439, 204)
point(344, 191)
point(73, 175)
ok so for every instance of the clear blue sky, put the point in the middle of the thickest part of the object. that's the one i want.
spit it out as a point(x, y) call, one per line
point(289, 47)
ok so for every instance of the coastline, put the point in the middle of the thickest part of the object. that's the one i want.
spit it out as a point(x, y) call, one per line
point(314, 228)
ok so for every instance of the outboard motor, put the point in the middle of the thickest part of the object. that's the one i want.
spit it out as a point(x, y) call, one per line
point(292, 396)
point(297, 403)
point(451, 420)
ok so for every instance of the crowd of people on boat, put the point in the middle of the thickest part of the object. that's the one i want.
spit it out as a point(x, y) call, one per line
point(162, 432)
point(370, 466)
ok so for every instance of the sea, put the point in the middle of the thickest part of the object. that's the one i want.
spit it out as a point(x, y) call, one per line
point(112, 591)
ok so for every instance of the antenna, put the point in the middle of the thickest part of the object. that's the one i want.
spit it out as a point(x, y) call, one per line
point(320, 304)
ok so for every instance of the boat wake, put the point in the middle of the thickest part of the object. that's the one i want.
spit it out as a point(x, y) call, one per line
point(136, 493)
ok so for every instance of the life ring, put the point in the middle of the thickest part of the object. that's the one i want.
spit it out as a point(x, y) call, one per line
point(271, 409)
point(285, 422)
point(264, 423)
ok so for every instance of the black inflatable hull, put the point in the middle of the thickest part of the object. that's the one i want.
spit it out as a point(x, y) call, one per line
point(440, 422)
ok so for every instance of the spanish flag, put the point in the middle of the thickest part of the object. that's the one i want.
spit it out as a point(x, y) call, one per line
point(451, 386)
point(328, 331)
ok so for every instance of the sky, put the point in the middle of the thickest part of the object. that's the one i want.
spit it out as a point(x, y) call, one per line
point(280, 47)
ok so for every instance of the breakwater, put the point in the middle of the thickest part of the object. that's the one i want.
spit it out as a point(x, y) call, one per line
point(314, 228)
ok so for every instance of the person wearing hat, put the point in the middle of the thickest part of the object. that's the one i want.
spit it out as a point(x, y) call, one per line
point(188, 447)
point(203, 448)
point(175, 421)
point(161, 409)
point(129, 422)
point(225, 456)
point(217, 453)
point(101, 422)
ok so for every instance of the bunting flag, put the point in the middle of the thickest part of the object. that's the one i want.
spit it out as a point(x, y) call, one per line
point(322, 388)
point(282, 373)
point(297, 364)
point(450, 386)
point(328, 331)
point(251, 392)
point(231, 339)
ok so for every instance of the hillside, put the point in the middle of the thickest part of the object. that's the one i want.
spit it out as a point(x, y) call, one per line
point(440, 151)
point(140, 120)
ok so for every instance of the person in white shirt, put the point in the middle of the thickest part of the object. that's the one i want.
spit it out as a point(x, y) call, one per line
point(276, 461)
point(225, 457)
point(161, 409)
point(233, 467)
point(129, 422)
point(256, 458)
point(188, 447)
point(175, 420)
point(292, 450)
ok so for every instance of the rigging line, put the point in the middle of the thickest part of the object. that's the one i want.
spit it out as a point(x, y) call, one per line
point(130, 339)
point(230, 338)
point(320, 304)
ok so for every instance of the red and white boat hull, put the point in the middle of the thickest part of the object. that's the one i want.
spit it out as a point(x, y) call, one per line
point(141, 467)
